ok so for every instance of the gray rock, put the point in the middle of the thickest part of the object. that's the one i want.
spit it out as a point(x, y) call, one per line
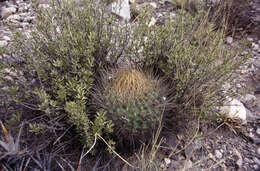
point(3, 43)
point(6, 12)
point(121, 8)
point(14, 17)
point(188, 164)
point(218, 154)
point(6, 38)
point(248, 98)
point(257, 161)
point(258, 131)
point(258, 150)
point(167, 161)
point(255, 46)
point(229, 40)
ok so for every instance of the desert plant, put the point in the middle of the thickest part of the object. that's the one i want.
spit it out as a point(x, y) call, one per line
point(192, 55)
point(135, 101)
point(52, 74)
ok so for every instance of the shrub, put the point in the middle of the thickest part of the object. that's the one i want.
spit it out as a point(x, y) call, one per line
point(51, 72)
point(192, 56)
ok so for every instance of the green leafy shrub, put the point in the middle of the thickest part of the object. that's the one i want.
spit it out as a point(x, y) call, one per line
point(191, 54)
point(51, 72)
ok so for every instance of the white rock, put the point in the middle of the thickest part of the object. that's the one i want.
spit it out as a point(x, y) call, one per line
point(14, 17)
point(3, 43)
point(122, 9)
point(255, 46)
point(229, 40)
point(152, 22)
point(218, 154)
point(167, 161)
point(7, 38)
point(258, 150)
point(258, 131)
point(153, 4)
point(234, 109)
point(6, 12)
point(250, 39)
point(43, 6)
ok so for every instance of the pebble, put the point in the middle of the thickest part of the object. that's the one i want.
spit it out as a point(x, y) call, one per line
point(167, 161)
point(153, 4)
point(229, 40)
point(188, 164)
point(122, 9)
point(218, 154)
point(3, 43)
point(6, 38)
point(234, 109)
point(6, 12)
point(258, 131)
point(255, 46)
point(258, 150)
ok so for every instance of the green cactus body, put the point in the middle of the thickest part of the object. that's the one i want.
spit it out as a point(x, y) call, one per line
point(133, 101)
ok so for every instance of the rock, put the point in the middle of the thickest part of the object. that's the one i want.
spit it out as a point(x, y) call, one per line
point(3, 43)
point(153, 4)
point(187, 164)
point(258, 150)
point(14, 17)
point(167, 161)
point(255, 46)
point(234, 109)
point(44, 6)
point(258, 131)
point(257, 161)
point(239, 162)
point(248, 98)
point(122, 9)
point(218, 154)
point(229, 40)
point(6, 12)
point(152, 22)
point(6, 38)
point(250, 39)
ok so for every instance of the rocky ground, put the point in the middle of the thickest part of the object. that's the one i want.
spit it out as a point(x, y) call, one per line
point(220, 148)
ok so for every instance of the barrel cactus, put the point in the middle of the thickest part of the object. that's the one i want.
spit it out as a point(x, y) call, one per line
point(134, 100)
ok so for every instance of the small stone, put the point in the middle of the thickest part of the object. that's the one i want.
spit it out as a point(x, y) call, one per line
point(239, 163)
point(248, 98)
point(258, 150)
point(14, 17)
point(188, 164)
point(152, 22)
point(122, 9)
point(6, 12)
point(218, 154)
point(256, 160)
point(153, 4)
point(7, 38)
point(3, 43)
point(234, 109)
point(43, 6)
point(167, 161)
point(255, 46)
point(250, 39)
point(258, 131)
point(229, 40)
